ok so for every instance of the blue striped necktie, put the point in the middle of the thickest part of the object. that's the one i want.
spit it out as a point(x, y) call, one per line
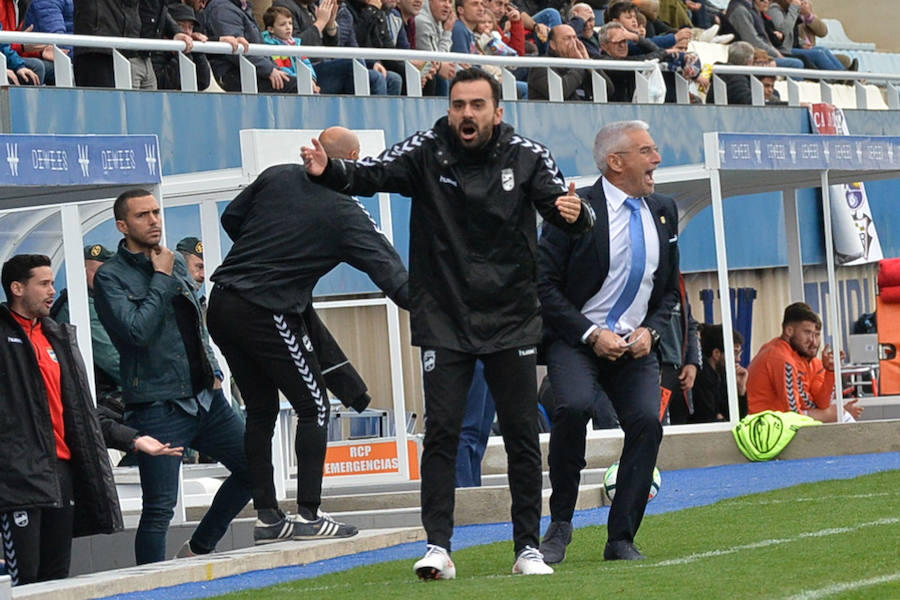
point(638, 262)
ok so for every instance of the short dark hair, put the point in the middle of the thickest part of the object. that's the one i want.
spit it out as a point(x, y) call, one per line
point(475, 74)
point(120, 206)
point(614, 11)
point(712, 338)
point(18, 268)
point(274, 11)
point(799, 312)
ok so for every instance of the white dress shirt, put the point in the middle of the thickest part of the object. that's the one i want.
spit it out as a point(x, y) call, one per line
point(598, 306)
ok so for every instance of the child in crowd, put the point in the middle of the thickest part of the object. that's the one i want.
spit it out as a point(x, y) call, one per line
point(489, 39)
point(279, 29)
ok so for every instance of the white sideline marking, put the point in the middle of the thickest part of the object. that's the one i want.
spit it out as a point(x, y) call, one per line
point(771, 542)
point(816, 499)
point(838, 588)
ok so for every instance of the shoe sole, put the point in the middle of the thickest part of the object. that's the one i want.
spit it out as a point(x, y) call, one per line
point(323, 537)
point(264, 542)
point(429, 574)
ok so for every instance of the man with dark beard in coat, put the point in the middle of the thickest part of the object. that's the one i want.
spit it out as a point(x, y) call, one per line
point(474, 185)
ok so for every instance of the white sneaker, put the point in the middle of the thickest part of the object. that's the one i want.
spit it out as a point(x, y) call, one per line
point(723, 39)
point(436, 564)
point(708, 34)
point(531, 562)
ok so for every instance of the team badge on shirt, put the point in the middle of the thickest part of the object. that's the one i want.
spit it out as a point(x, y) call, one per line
point(52, 354)
point(507, 180)
point(20, 518)
point(428, 360)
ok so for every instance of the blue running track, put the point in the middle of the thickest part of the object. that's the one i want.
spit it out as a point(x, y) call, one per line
point(680, 489)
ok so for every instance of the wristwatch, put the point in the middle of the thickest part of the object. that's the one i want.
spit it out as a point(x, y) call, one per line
point(654, 336)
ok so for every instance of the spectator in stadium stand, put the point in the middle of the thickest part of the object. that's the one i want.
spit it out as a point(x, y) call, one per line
point(810, 27)
point(48, 16)
point(434, 27)
point(675, 13)
point(614, 43)
point(509, 23)
point(171, 382)
point(576, 82)
point(626, 13)
point(402, 24)
point(710, 391)
point(786, 16)
point(408, 10)
point(231, 18)
point(289, 232)
point(474, 185)
point(121, 18)
point(17, 70)
point(362, 23)
point(582, 20)
point(469, 15)
point(737, 86)
point(165, 64)
point(316, 25)
point(787, 374)
point(395, 24)
point(279, 32)
point(745, 18)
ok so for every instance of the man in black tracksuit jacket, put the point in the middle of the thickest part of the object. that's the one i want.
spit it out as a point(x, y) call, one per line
point(288, 232)
point(46, 497)
point(474, 185)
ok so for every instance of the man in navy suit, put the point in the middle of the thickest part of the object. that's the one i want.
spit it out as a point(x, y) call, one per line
point(605, 296)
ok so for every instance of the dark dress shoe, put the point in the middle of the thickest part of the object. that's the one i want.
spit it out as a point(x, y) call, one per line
point(621, 551)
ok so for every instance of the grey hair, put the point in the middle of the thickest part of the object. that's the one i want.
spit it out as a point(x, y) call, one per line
point(611, 138)
point(740, 53)
point(604, 31)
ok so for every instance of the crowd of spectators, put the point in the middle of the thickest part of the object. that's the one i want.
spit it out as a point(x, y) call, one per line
point(639, 30)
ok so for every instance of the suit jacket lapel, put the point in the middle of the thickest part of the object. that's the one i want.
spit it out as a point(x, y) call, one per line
point(600, 231)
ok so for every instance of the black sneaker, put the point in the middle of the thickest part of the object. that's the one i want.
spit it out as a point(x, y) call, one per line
point(558, 536)
point(323, 527)
point(264, 533)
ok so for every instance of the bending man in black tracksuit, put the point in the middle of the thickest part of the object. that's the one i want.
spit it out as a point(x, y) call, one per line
point(475, 184)
point(288, 232)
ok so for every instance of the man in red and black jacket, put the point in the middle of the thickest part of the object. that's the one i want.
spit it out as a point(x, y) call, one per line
point(57, 482)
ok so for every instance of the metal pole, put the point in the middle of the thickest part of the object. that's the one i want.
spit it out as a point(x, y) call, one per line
point(831, 305)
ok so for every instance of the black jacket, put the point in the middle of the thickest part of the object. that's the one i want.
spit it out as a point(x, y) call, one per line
point(573, 80)
point(288, 232)
point(28, 450)
point(119, 18)
point(473, 239)
point(737, 88)
point(226, 17)
point(571, 271)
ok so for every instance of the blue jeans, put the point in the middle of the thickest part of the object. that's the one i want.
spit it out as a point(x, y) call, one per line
point(476, 429)
point(821, 57)
point(218, 433)
point(789, 63)
point(336, 77)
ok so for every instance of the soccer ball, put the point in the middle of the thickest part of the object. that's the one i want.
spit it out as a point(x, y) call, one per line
point(609, 481)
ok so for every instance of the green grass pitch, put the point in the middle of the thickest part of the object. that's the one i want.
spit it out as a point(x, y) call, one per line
point(833, 539)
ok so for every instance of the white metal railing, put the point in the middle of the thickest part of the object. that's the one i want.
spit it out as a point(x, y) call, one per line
point(642, 69)
point(889, 80)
